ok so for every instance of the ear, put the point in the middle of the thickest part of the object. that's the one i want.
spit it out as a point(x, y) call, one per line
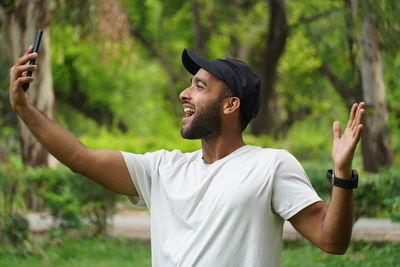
point(231, 104)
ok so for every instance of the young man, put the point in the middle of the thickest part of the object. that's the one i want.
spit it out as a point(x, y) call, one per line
point(225, 204)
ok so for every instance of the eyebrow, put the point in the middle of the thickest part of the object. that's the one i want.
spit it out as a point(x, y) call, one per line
point(196, 79)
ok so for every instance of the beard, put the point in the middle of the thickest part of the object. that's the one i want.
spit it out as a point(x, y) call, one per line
point(206, 122)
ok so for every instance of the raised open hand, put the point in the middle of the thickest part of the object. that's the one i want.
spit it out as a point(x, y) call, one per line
point(344, 145)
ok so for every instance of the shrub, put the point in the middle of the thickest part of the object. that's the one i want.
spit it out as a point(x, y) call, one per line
point(380, 194)
point(13, 226)
point(376, 196)
point(68, 196)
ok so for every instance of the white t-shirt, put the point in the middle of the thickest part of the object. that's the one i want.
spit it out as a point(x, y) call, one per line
point(226, 214)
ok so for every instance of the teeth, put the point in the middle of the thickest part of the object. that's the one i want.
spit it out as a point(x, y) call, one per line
point(188, 110)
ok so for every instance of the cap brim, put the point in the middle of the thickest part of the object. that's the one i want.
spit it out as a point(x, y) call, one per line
point(193, 62)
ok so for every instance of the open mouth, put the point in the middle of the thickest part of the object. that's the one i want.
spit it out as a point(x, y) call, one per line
point(188, 111)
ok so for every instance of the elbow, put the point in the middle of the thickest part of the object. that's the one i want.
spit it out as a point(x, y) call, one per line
point(78, 162)
point(337, 246)
point(337, 249)
point(76, 167)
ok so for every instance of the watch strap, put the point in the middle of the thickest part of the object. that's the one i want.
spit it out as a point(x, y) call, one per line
point(343, 183)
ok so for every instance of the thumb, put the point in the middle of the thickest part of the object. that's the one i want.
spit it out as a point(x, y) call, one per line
point(337, 132)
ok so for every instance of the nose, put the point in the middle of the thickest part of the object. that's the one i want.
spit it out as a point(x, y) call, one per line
point(185, 94)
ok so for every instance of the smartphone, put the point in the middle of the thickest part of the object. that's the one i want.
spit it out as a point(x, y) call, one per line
point(36, 45)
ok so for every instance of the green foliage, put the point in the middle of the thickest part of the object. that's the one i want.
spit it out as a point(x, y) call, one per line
point(8, 140)
point(311, 140)
point(80, 13)
point(7, 4)
point(70, 198)
point(129, 80)
point(392, 61)
point(358, 254)
point(317, 174)
point(135, 97)
point(169, 140)
point(120, 252)
point(379, 194)
point(82, 252)
point(376, 196)
point(385, 14)
point(14, 228)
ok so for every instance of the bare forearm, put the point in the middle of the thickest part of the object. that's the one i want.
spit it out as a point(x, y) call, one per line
point(330, 227)
point(106, 167)
point(58, 141)
point(338, 221)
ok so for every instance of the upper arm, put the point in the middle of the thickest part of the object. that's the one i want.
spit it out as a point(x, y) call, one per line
point(107, 168)
point(309, 222)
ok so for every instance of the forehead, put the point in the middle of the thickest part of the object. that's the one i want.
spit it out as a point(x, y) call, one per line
point(210, 79)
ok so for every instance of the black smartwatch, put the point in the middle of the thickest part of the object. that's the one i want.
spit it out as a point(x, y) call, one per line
point(343, 183)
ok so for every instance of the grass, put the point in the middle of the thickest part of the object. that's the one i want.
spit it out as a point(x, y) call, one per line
point(100, 252)
point(365, 254)
point(76, 252)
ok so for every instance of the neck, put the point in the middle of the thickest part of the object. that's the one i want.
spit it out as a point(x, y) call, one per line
point(220, 146)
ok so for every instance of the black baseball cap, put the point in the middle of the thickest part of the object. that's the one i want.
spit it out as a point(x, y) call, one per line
point(237, 75)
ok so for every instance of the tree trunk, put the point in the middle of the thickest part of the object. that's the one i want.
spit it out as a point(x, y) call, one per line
point(26, 17)
point(200, 34)
point(376, 147)
point(267, 118)
point(368, 86)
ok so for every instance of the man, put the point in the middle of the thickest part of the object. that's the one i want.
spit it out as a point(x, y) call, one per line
point(225, 204)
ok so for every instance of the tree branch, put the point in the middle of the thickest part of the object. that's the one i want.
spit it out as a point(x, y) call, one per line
point(200, 32)
point(336, 82)
point(278, 32)
point(350, 35)
point(308, 19)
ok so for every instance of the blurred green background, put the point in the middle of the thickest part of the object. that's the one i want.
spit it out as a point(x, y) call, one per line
point(115, 72)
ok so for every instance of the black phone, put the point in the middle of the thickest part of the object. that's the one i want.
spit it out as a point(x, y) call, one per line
point(36, 45)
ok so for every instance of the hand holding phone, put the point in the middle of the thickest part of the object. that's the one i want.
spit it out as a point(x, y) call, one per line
point(36, 45)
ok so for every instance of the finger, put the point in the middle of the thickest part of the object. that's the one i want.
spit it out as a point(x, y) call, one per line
point(359, 116)
point(24, 73)
point(18, 70)
point(30, 49)
point(22, 80)
point(25, 58)
point(352, 115)
point(358, 132)
point(337, 132)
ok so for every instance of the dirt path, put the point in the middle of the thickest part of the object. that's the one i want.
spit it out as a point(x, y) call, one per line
point(136, 224)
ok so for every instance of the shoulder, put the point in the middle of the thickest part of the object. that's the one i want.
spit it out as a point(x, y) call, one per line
point(280, 159)
point(177, 155)
point(160, 158)
point(170, 156)
point(278, 155)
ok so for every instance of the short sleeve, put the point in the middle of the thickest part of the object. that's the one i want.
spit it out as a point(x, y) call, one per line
point(141, 169)
point(292, 190)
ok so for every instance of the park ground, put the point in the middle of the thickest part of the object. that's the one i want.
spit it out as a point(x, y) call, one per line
point(376, 242)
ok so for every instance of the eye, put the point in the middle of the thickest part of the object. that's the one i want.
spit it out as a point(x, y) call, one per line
point(199, 86)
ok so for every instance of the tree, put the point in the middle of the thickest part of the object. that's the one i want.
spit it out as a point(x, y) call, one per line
point(270, 120)
point(275, 39)
point(21, 19)
point(359, 78)
point(376, 147)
